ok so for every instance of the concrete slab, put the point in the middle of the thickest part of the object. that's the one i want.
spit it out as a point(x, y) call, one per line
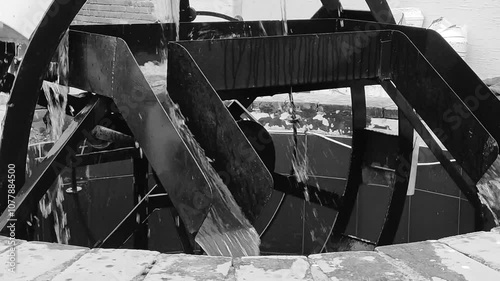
point(188, 267)
point(358, 266)
point(272, 268)
point(109, 264)
point(34, 259)
point(481, 246)
point(6, 243)
point(496, 229)
point(472, 256)
point(437, 261)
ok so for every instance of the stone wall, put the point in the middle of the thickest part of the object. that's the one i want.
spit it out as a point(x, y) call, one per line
point(117, 12)
point(147, 11)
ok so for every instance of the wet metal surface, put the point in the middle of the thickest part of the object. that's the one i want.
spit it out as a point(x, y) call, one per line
point(120, 78)
point(214, 128)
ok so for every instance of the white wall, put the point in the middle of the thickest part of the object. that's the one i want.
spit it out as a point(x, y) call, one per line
point(482, 18)
point(271, 9)
point(231, 8)
point(259, 9)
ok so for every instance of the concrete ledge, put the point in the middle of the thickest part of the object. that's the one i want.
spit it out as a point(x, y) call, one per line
point(109, 264)
point(437, 261)
point(473, 256)
point(272, 268)
point(357, 266)
point(481, 246)
point(187, 267)
point(496, 229)
point(6, 243)
point(36, 259)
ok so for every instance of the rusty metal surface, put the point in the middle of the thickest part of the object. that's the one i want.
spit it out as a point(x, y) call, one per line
point(214, 128)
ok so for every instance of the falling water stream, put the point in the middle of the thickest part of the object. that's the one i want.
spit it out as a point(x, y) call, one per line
point(57, 96)
point(300, 161)
point(214, 236)
point(284, 19)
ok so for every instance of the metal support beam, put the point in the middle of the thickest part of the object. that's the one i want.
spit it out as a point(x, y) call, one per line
point(144, 113)
point(303, 62)
point(129, 225)
point(61, 155)
point(441, 108)
point(260, 63)
point(290, 186)
point(216, 131)
point(355, 176)
point(381, 11)
point(24, 93)
point(464, 183)
point(141, 170)
point(99, 157)
point(401, 182)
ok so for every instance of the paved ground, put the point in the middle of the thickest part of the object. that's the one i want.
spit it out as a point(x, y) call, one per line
point(474, 256)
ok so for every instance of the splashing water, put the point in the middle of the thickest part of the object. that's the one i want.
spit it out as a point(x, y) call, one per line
point(57, 93)
point(214, 237)
point(320, 227)
point(57, 97)
point(168, 12)
point(63, 62)
point(52, 204)
point(299, 162)
point(284, 17)
point(175, 14)
point(56, 106)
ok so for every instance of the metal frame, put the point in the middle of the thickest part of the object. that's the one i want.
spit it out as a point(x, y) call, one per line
point(60, 156)
point(24, 93)
point(414, 68)
point(380, 47)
